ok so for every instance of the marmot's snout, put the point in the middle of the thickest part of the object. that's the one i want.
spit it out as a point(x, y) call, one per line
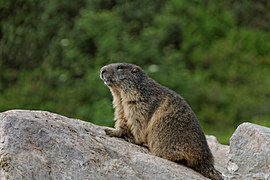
point(102, 72)
point(105, 76)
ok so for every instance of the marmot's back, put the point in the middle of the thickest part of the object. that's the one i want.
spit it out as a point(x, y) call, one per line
point(151, 114)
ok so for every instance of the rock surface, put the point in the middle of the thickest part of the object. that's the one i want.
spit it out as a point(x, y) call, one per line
point(43, 145)
point(250, 152)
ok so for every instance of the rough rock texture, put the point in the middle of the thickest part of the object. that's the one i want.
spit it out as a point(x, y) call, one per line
point(250, 152)
point(43, 145)
point(220, 153)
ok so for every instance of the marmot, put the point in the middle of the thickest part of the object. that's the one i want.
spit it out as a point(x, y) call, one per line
point(157, 117)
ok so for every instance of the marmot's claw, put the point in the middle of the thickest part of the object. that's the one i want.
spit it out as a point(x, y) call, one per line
point(114, 132)
point(108, 131)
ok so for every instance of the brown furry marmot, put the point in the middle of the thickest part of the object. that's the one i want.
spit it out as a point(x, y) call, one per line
point(153, 115)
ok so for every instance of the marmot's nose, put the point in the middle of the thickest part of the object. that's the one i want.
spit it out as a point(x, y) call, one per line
point(102, 73)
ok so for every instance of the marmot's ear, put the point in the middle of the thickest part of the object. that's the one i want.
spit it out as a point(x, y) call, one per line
point(134, 70)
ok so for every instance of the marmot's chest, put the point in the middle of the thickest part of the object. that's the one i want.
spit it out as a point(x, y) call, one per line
point(135, 114)
point(134, 111)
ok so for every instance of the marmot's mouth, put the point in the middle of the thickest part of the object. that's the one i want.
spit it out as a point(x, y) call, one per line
point(107, 81)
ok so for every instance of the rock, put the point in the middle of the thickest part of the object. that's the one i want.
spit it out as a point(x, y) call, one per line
point(43, 145)
point(220, 153)
point(249, 156)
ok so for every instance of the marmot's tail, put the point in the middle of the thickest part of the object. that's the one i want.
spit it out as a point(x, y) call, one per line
point(209, 172)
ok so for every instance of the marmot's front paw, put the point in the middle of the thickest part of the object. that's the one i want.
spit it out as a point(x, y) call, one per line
point(110, 132)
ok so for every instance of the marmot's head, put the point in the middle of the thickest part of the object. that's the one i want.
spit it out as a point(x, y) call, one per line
point(122, 75)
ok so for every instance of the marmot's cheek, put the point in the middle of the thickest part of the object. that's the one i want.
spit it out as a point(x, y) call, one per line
point(122, 77)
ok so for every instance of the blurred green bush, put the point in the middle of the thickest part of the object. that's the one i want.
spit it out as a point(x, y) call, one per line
point(215, 54)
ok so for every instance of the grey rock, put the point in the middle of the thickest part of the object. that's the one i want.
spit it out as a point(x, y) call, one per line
point(220, 153)
point(249, 156)
point(42, 145)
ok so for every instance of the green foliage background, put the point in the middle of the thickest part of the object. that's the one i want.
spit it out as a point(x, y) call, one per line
point(216, 54)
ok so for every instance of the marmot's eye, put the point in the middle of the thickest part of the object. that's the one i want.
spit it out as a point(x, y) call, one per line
point(120, 67)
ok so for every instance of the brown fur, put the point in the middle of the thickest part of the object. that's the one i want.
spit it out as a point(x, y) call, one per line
point(153, 115)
